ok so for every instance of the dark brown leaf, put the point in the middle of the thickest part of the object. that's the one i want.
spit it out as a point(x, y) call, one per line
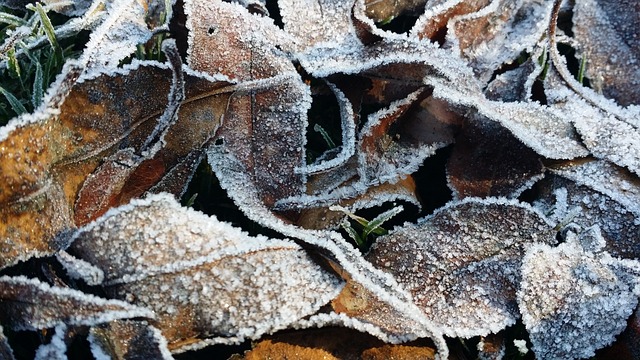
point(28, 304)
point(488, 161)
point(462, 264)
point(128, 340)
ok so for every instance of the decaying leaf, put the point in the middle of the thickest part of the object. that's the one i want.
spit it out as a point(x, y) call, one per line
point(462, 264)
point(487, 161)
point(57, 346)
point(264, 127)
point(569, 202)
point(5, 349)
point(128, 339)
point(608, 43)
point(28, 304)
point(590, 296)
point(51, 154)
point(202, 278)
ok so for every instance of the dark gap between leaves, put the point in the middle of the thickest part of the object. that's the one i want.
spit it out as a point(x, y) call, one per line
point(400, 24)
point(274, 13)
point(431, 182)
point(211, 199)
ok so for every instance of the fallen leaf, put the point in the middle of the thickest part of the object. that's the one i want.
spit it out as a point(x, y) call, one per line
point(28, 304)
point(462, 264)
point(264, 127)
point(128, 339)
point(203, 278)
point(488, 161)
point(609, 46)
point(593, 294)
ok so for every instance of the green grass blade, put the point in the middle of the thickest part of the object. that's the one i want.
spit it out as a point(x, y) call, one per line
point(38, 87)
point(374, 225)
point(49, 30)
point(583, 65)
point(16, 105)
point(352, 233)
point(13, 20)
point(325, 136)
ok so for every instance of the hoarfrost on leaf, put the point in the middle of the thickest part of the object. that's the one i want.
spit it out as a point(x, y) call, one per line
point(573, 300)
point(28, 304)
point(203, 278)
point(462, 264)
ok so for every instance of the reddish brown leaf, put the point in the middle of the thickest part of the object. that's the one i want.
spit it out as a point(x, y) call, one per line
point(487, 160)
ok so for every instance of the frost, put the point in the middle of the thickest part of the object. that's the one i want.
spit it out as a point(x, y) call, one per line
point(180, 262)
point(5, 349)
point(345, 256)
point(28, 304)
point(462, 264)
point(521, 345)
point(589, 297)
point(319, 23)
point(124, 338)
point(570, 203)
point(609, 44)
point(56, 349)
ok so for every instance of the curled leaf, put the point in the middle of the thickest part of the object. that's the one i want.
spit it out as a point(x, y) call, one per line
point(462, 264)
point(28, 304)
point(203, 278)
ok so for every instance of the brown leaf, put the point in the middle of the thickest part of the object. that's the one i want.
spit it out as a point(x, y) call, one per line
point(384, 10)
point(263, 130)
point(462, 264)
point(487, 160)
point(609, 43)
point(203, 278)
point(128, 340)
point(570, 202)
point(334, 343)
point(50, 155)
point(28, 304)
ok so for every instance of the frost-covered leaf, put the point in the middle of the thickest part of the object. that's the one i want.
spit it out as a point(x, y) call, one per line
point(608, 42)
point(5, 348)
point(386, 10)
point(124, 27)
point(128, 340)
point(49, 155)
point(569, 202)
point(608, 131)
point(319, 23)
point(575, 300)
point(203, 278)
point(488, 161)
point(462, 264)
point(265, 125)
point(539, 127)
point(56, 349)
point(498, 33)
point(28, 304)
point(396, 140)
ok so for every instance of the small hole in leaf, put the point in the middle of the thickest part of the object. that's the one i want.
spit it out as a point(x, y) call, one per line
point(212, 30)
point(219, 142)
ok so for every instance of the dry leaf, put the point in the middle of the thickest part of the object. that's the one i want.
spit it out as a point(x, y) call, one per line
point(5, 349)
point(203, 278)
point(608, 42)
point(462, 264)
point(593, 294)
point(488, 161)
point(264, 127)
point(28, 304)
point(128, 339)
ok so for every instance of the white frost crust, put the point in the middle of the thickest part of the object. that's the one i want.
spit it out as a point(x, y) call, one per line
point(80, 269)
point(126, 310)
point(593, 295)
point(348, 147)
point(607, 179)
point(361, 271)
point(56, 349)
